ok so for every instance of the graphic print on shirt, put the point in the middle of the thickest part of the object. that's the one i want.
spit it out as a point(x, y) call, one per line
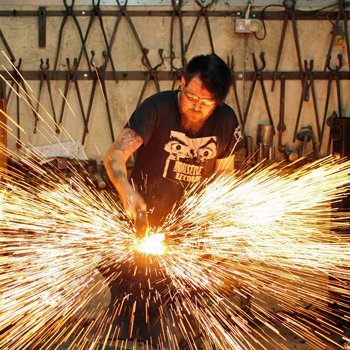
point(187, 156)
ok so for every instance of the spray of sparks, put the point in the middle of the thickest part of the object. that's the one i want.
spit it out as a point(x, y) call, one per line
point(270, 234)
point(239, 259)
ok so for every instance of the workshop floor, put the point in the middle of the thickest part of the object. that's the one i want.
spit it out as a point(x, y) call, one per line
point(287, 339)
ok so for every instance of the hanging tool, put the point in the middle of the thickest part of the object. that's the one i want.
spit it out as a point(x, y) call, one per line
point(281, 127)
point(289, 14)
point(258, 77)
point(202, 13)
point(42, 26)
point(70, 13)
point(7, 46)
point(151, 74)
point(17, 79)
point(334, 76)
point(98, 78)
point(341, 14)
point(177, 72)
point(305, 135)
point(230, 64)
point(331, 122)
point(96, 12)
point(71, 78)
point(124, 13)
point(308, 80)
point(44, 77)
point(3, 129)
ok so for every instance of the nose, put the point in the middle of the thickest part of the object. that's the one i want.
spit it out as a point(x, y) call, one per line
point(197, 106)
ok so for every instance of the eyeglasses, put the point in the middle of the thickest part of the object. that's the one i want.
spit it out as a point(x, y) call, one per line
point(195, 99)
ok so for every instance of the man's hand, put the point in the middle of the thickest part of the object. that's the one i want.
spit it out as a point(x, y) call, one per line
point(136, 208)
point(133, 201)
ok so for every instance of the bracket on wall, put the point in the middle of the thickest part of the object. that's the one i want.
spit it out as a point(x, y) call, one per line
point(42, 26)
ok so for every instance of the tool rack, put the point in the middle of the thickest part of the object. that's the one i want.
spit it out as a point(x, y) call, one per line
point(204, 12)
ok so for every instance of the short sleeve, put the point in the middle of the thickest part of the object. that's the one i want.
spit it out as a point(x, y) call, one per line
point(144, 120)
point(232, 140)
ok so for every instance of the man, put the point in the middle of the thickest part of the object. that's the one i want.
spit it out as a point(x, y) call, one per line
point(180, 138)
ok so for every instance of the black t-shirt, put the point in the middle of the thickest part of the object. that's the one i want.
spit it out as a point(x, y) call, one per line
point(172, 158)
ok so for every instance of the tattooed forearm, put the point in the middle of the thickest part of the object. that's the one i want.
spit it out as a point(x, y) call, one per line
point(128, 141)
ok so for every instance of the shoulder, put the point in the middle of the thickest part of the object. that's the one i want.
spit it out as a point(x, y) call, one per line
point(225, 113)
point(225, 109)
point(162, 97)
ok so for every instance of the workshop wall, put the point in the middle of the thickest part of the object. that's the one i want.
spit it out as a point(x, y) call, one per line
point(21, 34)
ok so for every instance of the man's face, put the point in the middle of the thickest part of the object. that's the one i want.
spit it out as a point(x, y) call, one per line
point(196, 103)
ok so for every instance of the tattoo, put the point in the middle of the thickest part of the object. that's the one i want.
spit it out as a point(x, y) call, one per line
point(128, 141)
point(120, 174)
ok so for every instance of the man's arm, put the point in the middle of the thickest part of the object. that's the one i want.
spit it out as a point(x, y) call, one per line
point(225, 165)
point(127, 142)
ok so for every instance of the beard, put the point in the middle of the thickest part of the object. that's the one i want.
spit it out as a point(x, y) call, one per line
point(191, 126)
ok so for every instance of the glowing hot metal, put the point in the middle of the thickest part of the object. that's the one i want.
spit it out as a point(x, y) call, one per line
point(152, 244)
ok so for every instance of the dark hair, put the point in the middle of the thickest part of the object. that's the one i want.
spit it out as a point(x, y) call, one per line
point(213, 72)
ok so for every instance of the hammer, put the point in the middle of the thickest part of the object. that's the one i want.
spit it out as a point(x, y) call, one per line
point(305, 135)
point(141, 223)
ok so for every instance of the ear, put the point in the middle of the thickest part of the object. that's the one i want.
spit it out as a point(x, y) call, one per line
point(182, 83)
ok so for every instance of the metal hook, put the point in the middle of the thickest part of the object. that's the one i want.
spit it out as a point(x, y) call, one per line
point(201, 3)
point(122, 6)
point(67, 6)
point(338, 67)
point(262, 58)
